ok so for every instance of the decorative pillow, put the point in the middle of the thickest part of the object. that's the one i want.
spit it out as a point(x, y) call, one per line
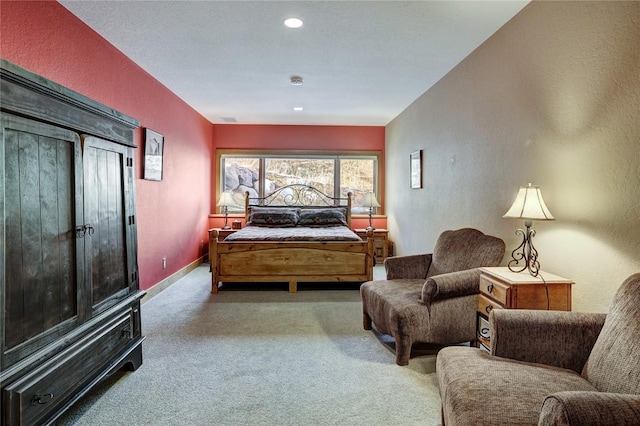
point(272, 217)
point(323, 217)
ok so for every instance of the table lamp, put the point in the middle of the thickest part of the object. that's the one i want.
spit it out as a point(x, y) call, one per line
point(529, 206)
point(371, 202)
point(225, 201)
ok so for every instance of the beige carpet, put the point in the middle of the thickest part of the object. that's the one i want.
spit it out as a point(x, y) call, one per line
point(249, 356)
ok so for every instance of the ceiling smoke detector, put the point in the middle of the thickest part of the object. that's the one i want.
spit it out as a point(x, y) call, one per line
point(296, 80)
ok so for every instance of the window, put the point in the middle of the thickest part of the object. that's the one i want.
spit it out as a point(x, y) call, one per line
point(335, 174)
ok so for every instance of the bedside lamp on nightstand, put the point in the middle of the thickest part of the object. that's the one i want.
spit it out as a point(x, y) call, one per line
point(225, 201)
point(371, 202)
point(529, 206)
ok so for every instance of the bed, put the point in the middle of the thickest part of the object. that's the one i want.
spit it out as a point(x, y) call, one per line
point(295, 234)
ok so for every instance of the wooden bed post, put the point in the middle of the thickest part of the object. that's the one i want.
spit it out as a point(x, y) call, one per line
point(213, 259)
point(246, 207)
point(370, 255)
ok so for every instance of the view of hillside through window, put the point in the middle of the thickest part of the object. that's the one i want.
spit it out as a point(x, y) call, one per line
point(335, 176)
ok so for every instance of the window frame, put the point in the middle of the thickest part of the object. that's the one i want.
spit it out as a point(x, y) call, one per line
point(263, 154)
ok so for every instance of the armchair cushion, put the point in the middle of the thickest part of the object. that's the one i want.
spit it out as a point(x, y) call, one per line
point(477, 388)
point(393, 299)
point(561, 339)
point(590, 409)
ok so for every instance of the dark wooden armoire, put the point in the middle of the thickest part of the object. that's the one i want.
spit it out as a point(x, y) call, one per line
point(69, 293)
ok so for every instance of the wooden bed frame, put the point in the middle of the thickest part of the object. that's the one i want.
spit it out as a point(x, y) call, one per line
point(291, 261)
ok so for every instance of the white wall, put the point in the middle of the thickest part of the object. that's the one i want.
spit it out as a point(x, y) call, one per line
point(553, 98)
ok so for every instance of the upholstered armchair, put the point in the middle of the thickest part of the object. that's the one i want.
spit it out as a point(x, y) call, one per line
point(432, 297)
point(549, 368)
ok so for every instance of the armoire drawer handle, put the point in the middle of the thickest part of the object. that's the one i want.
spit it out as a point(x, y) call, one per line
point(42, 399)
point(488, 309)
point(490, 288)
point(127, 332)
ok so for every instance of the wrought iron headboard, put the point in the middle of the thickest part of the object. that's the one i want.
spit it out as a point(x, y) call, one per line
point(298, 195)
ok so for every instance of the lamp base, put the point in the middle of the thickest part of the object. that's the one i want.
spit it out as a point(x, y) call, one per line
point(525, 252)
point(226, 227)
point(370, 227)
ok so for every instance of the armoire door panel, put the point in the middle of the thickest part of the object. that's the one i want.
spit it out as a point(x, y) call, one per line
point(104, 170)
point(39, 173)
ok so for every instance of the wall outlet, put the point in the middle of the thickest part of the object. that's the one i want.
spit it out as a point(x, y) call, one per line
point(164, 263)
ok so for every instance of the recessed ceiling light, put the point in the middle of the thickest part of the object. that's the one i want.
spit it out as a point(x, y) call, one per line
point(293, 22)
point(298, 108)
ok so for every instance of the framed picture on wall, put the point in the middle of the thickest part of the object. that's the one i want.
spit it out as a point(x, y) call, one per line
point(153, 152)
point(416, 169)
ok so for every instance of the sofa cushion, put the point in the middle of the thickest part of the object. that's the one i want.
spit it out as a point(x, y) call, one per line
point(477, 388)
point(614, 364)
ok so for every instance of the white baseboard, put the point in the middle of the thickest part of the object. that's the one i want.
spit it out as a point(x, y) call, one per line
point(170, 280)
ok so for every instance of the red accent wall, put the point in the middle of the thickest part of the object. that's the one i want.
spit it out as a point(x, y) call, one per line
point(45, 38)
point(329, 138)
point(284, 137)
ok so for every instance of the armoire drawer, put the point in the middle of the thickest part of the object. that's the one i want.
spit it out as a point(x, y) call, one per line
point(51, 384)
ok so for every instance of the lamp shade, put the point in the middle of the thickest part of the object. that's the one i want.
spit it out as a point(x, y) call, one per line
point(370, 200)
point(529, 205)
point(225, 200)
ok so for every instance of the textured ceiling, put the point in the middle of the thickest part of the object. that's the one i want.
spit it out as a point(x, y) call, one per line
point(362, 62)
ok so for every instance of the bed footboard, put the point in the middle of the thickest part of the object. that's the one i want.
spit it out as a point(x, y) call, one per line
point(289, 261)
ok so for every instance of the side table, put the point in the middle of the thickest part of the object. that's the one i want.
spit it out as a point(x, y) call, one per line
point(502, 289)
point(380, 242)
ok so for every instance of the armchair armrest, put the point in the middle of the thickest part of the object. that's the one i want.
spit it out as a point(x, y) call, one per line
point(453, 284)
point(557, 338)
point(407, 267)
point(590, 408)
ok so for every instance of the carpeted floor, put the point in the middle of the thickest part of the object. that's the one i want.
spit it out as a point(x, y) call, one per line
point(249, 356)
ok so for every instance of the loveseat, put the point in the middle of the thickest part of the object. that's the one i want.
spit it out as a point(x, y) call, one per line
point(549, 368)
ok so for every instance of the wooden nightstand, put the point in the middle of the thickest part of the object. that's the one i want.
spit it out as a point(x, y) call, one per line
point(380, 242)
point(502, 289)
point(223, 233)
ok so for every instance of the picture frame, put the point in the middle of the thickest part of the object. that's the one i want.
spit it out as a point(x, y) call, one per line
point(153, 155)
point(416, 169)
